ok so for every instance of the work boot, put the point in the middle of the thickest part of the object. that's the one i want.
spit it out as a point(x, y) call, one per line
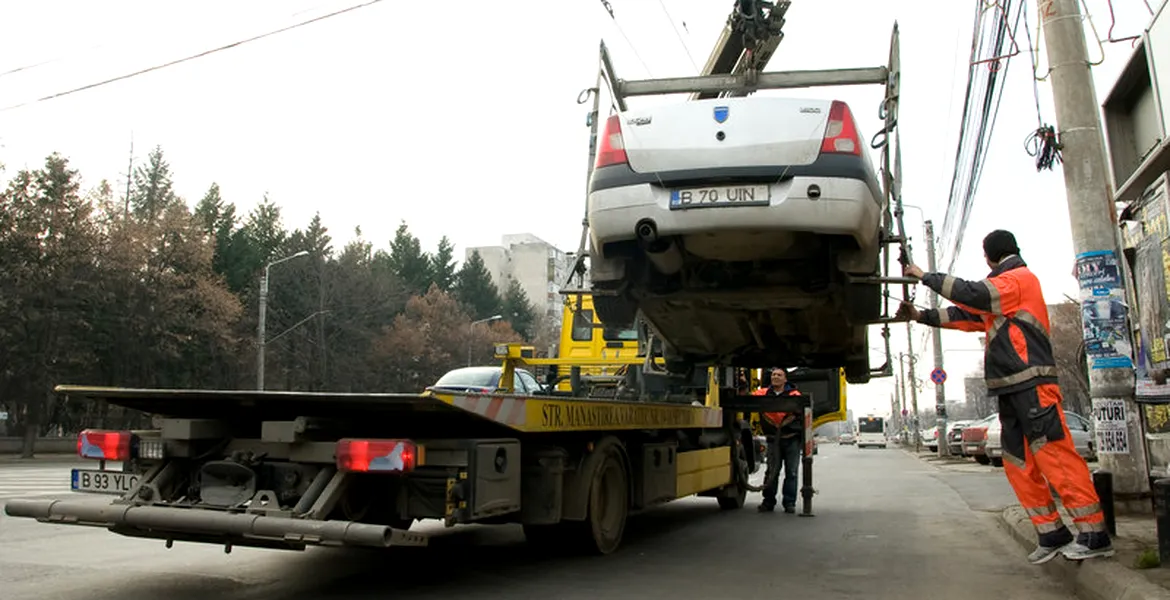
point(766, 507)
point(1093, 544)
point(789, 509)
point(1050, 544)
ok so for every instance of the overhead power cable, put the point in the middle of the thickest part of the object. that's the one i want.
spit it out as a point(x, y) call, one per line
point(193, 56)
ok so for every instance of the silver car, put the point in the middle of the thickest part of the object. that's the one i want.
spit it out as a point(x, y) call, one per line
point(736, 226)
point(1080, 427)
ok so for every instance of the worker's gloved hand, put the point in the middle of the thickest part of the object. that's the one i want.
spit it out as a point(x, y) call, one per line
point(907, 312)
point(912, 270)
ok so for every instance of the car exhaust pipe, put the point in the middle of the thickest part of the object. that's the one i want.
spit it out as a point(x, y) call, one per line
point(663, 254)
point(196, 522)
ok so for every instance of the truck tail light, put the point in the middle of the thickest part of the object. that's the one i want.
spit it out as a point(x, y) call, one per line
point(841, 133)
point(612, 148)
point(104, 445)
point(377, 456)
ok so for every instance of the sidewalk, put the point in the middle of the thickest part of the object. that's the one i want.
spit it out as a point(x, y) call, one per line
point(45, 458)
point(1116, 578)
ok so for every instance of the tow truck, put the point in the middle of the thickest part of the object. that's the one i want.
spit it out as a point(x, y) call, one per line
point(289, 470)
point(292, 469)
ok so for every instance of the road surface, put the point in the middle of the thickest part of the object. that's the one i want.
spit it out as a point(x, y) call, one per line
point(887, 526)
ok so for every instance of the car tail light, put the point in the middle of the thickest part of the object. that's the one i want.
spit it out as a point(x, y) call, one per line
point(377, 456)
point(104, 445)
point(841, 132)
point(612, 149)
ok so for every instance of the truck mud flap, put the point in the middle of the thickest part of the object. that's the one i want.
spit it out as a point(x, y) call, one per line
point(201, 525)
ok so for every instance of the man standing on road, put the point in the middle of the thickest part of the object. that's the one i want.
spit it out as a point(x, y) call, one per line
point(783, 432)
point(1020, 369)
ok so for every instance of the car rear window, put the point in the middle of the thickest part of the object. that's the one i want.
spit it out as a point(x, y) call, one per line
point(472, 377)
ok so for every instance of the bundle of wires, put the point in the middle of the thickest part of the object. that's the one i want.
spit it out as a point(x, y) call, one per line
point(1044, 146)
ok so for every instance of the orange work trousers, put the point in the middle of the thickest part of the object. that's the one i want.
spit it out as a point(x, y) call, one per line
point(1038, 450)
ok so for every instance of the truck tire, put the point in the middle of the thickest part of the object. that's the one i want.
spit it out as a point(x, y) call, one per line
point(857, 371)
point(608, 504)
point(737, 500)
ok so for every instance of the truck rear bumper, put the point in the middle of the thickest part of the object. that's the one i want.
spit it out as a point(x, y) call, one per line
point(201, 525)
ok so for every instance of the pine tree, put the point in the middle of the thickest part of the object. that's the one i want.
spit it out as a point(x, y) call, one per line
point(518, 311)
point(443, 265)
point(408, 262)
point(475, 290)
point(151, 192)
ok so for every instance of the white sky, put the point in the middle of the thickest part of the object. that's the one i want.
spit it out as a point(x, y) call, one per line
point(463, 121)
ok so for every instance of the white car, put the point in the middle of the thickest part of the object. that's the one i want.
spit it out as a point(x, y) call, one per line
point(738, 228)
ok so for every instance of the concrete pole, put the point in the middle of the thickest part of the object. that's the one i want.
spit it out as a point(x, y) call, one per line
point(913, 386)
point(1093, 219)
point(261, 330)
point(940, 393)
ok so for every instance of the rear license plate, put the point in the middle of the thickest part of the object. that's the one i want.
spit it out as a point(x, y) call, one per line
point(735, 195)
point(102, 482)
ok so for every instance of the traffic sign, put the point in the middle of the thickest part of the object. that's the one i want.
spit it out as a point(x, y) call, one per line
point(938, 376)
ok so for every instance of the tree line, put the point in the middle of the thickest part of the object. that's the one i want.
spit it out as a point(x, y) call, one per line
point(139, 289)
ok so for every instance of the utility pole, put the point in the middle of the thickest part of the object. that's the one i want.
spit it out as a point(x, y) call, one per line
point(1095, 234)
point(913, 385)
point(940, 394)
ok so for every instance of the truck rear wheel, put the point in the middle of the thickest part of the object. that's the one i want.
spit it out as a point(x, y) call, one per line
point(608, 503)
point(733, 500)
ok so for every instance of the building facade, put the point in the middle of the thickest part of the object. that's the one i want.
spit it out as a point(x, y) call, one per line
point(539, 267)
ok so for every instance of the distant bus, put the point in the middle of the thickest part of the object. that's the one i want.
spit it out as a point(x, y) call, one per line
point(871, 431)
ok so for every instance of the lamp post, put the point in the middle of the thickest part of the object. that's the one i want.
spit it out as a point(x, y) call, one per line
point(261, 327)
point(470, 328)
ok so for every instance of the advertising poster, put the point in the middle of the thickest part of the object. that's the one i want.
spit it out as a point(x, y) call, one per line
point(1103, 311)
point(1109, 417)
point(1146, 234)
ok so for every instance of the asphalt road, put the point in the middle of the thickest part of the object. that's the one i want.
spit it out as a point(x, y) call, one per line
point(887, 525)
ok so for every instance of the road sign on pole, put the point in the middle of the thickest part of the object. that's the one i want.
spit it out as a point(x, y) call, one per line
point(938, 376)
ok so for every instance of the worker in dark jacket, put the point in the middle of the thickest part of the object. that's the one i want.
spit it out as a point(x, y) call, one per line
point(783, 432)
point(1020, 369)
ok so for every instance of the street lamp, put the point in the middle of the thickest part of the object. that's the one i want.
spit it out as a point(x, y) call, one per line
point(469, 330)
point(261, 327)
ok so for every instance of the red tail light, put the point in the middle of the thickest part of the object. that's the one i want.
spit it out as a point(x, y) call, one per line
point(612, 148)
point(104, 445)
point(841, 132)
point(377, 456)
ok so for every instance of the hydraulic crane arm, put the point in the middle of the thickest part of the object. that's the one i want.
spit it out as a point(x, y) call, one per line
point(750, 37)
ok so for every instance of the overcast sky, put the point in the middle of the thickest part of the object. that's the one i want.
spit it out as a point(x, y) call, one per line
point(462, 119)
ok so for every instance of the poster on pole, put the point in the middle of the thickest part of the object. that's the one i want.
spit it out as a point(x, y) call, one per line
point(1109, 425)
point(1103, 311)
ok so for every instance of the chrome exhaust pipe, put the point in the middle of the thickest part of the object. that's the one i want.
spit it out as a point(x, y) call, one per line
point(193, 521)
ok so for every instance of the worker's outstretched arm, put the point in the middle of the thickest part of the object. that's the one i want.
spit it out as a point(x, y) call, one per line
point(992, 296)
point(951, 317)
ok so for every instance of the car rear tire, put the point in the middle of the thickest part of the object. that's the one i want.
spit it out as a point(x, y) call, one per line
point(983, 460)
point(617, 312)
point(857, 371)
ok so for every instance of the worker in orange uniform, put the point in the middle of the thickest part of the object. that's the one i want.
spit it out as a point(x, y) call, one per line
point(1020, 370)
point(783, 432)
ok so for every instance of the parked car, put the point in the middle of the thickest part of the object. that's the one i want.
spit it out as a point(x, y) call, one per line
point(758, 218)
point(486, 380)
point(955, 436)
point(1080, 428)
point(930, 438)
point(846, 438)
point(974, 438)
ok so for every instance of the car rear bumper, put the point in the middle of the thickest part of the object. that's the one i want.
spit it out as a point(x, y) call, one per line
point(846, 207)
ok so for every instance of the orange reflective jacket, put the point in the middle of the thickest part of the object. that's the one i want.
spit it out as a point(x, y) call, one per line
point(1009, 307)
point(776, 418)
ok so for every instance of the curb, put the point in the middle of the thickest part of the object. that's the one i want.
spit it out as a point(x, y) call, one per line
point(1094, 579)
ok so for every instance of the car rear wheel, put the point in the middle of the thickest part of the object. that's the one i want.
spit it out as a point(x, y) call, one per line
point(618, 312)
